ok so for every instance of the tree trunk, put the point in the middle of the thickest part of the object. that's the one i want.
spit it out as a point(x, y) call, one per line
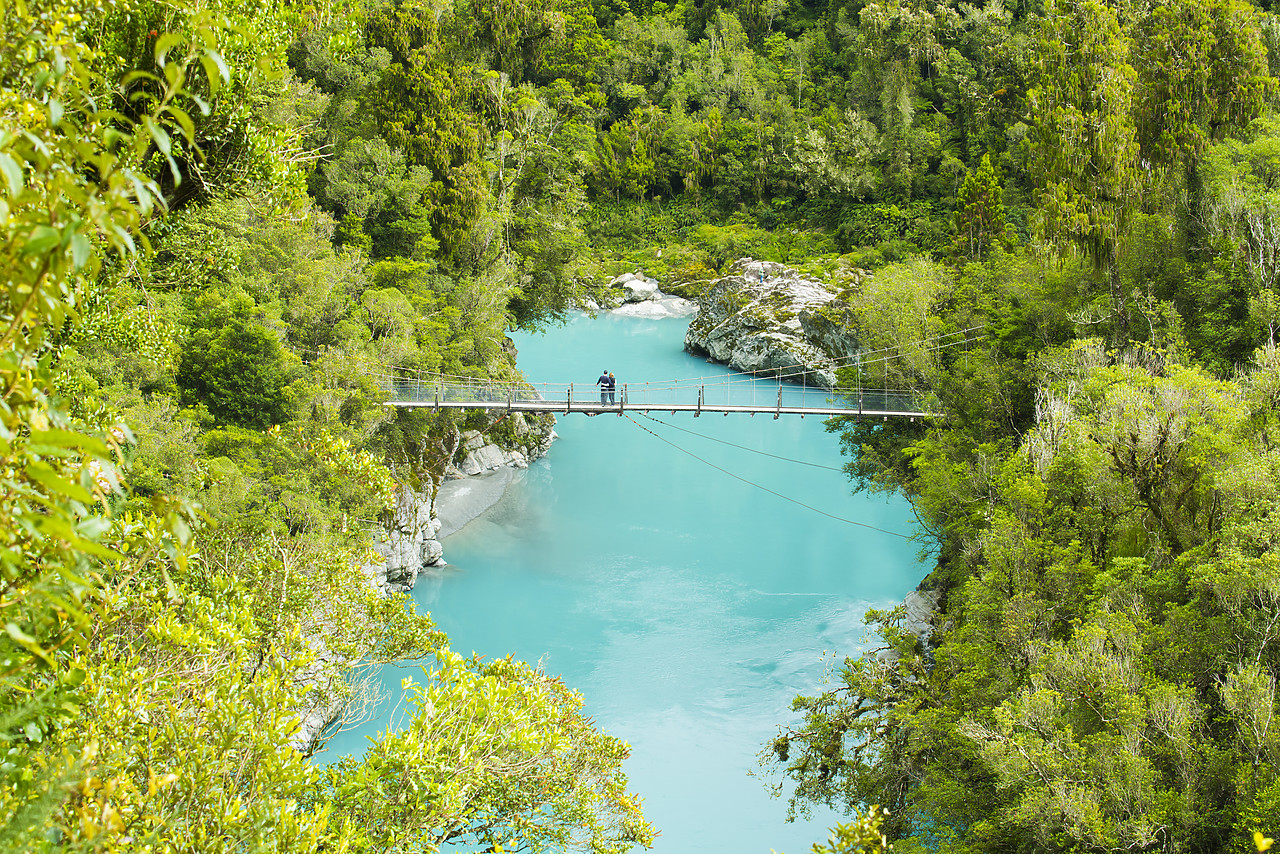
point(1119, 305)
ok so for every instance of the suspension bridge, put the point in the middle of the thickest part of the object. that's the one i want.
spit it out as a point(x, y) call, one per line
point(738, 393)
point(777, 392)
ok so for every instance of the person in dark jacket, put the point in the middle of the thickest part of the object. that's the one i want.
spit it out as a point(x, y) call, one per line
point(613, 384)
point(604, 383)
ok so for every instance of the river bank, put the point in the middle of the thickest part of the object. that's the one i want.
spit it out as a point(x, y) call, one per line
point(460, 501)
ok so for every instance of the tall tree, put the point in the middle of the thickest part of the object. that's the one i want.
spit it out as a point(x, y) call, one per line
point(1202, 70)
point(980, 217)
point(1083, 145)
point(538, 42)
point(423, 105)
point(897, 43)
point(498, 756)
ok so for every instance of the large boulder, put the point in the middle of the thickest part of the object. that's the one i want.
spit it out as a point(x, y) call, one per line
point(767, 317)
point(656, 309)
point(486, 458)
point(636, 287)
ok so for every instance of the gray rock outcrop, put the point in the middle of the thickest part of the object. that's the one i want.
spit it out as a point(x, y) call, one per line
point(767, 317)
point(479, 455)
point(636, 287)
point(642, 297)
point(664, 306)
point(321, 705)
point(408, 544)
point(919, 608)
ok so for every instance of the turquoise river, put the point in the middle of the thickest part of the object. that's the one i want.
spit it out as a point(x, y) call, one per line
point(686, 604)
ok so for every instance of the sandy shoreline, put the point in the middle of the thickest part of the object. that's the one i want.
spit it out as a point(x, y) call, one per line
point(460, 501)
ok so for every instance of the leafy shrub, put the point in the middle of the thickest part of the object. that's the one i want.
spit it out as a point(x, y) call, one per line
point(241, 373)
point(919, 223)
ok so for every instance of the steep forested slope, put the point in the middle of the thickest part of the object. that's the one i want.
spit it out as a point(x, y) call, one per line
point(194, 460)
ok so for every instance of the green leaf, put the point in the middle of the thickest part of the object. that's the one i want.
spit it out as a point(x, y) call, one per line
point(44, 475)
point(164, 44)
point(12, 173)
point(55, 112)
point(124, 240)
point(126, 80)
point(44, 238)
point(181, 530)
point(89, 547)
point(158, 135)
point(15, 631)
point(174, 76)
point(171, 590)
point(184, 121)
point(81, 249)
point(215, 67)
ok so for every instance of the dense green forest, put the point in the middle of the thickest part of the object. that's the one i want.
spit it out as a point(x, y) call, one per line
point(219, 216)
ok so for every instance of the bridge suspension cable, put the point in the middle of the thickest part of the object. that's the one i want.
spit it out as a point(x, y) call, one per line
point(765, 488)
point(742, 447)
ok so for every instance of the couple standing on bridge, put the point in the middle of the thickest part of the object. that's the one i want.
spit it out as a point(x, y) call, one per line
point(607, 385)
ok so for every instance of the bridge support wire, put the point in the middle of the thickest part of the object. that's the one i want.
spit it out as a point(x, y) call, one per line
point(765, 488)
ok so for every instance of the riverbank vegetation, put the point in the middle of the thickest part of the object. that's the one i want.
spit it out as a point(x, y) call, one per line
point(223, 221)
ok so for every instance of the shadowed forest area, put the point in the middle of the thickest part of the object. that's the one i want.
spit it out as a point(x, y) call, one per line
point(218, 216)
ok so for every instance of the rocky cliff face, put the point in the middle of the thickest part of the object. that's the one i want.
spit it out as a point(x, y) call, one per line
point(477, 455)
point(767, 317)
point(409, 544)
